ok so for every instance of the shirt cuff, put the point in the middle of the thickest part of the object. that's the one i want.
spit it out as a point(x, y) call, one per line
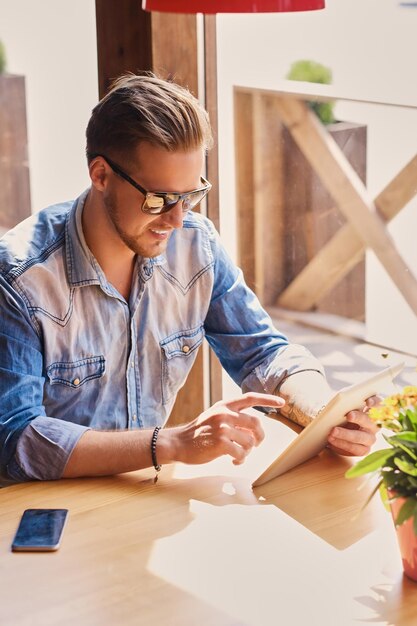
point(44, 448)
point(271, 373)
point(306, 394)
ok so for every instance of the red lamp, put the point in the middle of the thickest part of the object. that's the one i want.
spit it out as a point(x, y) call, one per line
point(231, 6)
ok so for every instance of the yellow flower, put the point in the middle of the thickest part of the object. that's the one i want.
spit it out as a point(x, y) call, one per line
point(392, 401)
point(381, 414)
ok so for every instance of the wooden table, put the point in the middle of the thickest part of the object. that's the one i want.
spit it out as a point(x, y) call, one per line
point(201, 547)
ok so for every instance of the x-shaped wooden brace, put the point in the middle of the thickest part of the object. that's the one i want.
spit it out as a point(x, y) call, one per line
point(366, 218)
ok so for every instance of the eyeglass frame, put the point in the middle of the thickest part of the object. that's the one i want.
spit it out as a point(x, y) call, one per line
point(164, 209)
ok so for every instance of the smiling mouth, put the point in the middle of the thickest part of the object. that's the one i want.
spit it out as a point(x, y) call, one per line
point(160, 234)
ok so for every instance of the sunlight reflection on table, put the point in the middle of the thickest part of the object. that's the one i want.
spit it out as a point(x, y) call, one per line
point(261, 566)
point(271, 568)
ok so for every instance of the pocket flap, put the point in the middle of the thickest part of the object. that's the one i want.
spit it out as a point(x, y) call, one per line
point(183, 343)
point(76, 373)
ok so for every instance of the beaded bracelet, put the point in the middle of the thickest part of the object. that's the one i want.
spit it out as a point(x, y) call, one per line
point(153, 452)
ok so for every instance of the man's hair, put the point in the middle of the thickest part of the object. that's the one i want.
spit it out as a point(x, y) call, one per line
point(147, 108)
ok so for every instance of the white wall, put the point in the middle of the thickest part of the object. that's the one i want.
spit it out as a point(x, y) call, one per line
point(53, 44)
point(371, 47)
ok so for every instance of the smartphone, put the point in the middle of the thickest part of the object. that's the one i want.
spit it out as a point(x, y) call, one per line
point(40, 530)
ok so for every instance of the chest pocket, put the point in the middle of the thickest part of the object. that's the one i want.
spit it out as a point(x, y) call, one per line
point(179, 352)
point(76, 373)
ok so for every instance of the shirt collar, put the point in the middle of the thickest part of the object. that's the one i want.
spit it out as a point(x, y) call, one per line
point(82, 267)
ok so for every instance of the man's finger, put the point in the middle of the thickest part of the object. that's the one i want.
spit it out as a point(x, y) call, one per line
point(340, 446)
point(373, 401)
point(243, 437)
point(360, 437)
point(252, 399)
point(362, 420)
point(245, 422)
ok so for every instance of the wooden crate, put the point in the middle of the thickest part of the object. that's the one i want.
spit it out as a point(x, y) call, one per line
point(285, 214)
point(310, 217)
point(14, 167)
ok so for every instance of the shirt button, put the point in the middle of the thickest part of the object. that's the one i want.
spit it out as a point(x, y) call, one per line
point(186, 349)
point(134, 417)
point(76, 381)
point(132, 364)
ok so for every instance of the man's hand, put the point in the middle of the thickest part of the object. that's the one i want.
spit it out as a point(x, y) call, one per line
point(357, 435)
point(224, 428)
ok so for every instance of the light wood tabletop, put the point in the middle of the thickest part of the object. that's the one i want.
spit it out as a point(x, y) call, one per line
point(201, 547)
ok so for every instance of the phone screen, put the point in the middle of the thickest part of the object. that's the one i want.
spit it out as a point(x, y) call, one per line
point(40, 530)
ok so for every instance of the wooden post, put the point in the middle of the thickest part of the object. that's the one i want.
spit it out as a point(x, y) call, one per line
point(130, 39)
point(123, 40)
point(14, 167)
point(213, 199)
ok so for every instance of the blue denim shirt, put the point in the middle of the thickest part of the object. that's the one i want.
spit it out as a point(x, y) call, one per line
point(74, 354)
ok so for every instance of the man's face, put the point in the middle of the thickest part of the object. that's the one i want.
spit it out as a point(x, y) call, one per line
point(155, 169)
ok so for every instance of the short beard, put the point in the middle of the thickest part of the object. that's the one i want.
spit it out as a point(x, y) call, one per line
point(129, 241)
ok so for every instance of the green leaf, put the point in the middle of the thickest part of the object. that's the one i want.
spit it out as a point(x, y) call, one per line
point(411, 418)
point(383, 492)
point(394, 441)
point(412, 415)
point(369, 498)
point(390, 479)
point(406, 466)
point(370, 463)
point(406, 511)
point(408, 436)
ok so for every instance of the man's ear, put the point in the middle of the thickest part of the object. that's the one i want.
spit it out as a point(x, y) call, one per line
point(98, 173)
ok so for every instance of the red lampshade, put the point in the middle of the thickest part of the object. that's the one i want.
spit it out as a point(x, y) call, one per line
point(232, 6)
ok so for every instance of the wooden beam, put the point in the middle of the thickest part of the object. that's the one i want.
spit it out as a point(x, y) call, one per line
point(130, 39)
point(346, 248)
point(210, 93)
point(174, 54)
point(244, 142)
point(267, 200)
point(213, 199)
point(348, 192)
point(174, 48)
point(123, 40)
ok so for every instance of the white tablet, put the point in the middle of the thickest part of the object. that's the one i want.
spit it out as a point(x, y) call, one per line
point(314, 437)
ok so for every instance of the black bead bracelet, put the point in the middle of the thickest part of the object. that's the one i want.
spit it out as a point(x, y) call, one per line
point(153, 451)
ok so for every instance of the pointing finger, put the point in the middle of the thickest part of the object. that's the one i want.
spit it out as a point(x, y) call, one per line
point(251, 399)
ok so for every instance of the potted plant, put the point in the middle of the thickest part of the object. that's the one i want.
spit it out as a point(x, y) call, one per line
point(2, 58)
point(396, 468)
point(313, 72)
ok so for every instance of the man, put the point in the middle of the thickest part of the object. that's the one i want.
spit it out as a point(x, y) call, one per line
point(104, 302)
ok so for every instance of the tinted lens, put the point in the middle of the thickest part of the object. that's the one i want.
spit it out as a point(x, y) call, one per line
point(191, 201)
point(159, 203)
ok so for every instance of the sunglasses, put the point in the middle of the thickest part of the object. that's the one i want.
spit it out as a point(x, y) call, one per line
point(158, 202)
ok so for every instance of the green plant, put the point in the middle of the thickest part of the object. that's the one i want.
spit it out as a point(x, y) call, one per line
point(397, 464)
point(2, 58)
point(312, 72)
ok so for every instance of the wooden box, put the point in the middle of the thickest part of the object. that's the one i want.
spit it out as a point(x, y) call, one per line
point(14, 167)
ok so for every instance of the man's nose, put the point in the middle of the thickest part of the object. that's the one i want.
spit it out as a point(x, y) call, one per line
point(175, 216)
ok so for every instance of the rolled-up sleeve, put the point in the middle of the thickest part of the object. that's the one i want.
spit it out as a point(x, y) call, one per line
point(32, 444)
